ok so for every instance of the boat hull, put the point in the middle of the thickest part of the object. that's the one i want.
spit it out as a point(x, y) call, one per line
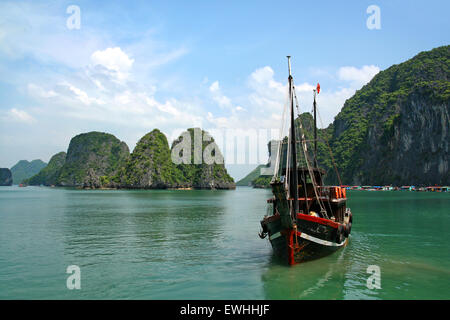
point(312, 239)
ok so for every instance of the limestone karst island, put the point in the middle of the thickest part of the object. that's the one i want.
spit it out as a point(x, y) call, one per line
point(210, 157)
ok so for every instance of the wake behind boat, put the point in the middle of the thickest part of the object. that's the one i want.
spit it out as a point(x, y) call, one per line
point(307, 220)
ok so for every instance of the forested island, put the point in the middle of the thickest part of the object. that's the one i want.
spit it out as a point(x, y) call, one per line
point(5, 177)
point(100, 160)
point(394, 131)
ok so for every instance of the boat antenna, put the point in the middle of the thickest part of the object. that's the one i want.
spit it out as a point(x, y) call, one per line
point(294, 185)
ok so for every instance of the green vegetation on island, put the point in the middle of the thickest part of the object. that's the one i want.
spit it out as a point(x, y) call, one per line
point(100, 160)
point(25, 169)
point(394, 130)
point(248, 179)
point(204, 168)
point(211, 171)
point(92, 159)
point(49, 175)
point(150, 165)
point(5, 177)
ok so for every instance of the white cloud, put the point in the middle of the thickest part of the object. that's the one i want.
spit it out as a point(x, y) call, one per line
point(83, 80)
point(329, 103)
point(20, 116)
point(304, 87)
point(63, 91)
point(268, 95)
point(222, 100)
point(214, 87)
point(358, 77)
point(81, 95)
point(40, 92)
point(263, 75)
point(113, 59)
point(265, 101)
point(261, 80)
point(258, 107)
point(123, 97)
point(87, 76)
point(37, 30)
point(266, 98)
point(90, 94)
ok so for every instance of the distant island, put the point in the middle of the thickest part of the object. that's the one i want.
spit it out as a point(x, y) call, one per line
point(25, 169)
point(250, 179)
point(393, 131)
point(5, 177)
point(100, 160)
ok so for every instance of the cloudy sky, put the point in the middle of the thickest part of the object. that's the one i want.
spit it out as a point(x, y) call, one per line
point(127, 67)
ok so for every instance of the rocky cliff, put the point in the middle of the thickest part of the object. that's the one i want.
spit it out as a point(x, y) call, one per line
point(100, 160)
point(49, 175)
point(248, 180)
point(395, 130)
point(150, 165)
point(92, 159)
point(202, 166)
point(25, 169)
point(5, 177)
point(307, 124)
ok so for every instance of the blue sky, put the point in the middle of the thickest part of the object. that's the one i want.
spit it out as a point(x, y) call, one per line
point(138, 65)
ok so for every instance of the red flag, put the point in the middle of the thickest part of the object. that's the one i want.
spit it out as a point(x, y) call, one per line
point(318, 88)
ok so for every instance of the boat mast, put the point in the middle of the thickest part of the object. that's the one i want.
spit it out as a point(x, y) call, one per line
point(294, 185)
point(315, 131)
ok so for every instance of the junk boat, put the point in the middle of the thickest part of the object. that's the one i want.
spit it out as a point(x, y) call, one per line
point(306, 220)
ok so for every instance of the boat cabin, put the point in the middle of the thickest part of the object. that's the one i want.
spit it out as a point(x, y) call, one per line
point(331, 198)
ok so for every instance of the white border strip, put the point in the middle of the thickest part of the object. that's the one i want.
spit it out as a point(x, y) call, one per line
point(320, 241)
point(275, 235)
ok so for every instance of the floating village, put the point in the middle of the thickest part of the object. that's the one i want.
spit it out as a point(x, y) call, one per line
point(402, 188)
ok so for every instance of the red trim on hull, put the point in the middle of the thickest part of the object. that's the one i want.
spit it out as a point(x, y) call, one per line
point(289, 234)
point(271, 200)
point(323, 221)
point(290, 238)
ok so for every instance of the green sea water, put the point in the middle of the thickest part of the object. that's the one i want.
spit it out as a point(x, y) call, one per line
point(192, 244)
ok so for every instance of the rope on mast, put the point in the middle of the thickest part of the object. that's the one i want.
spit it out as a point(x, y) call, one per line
point(305, 151)
point(294, 193)
point(316, 110)
point(331, 152)
point(280, 141)
point(287, 185)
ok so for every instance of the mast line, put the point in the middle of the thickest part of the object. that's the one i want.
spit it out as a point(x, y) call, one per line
point(315, 131)
point(294, 190)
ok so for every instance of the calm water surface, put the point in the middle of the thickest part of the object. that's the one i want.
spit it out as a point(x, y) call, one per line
point(204, 245)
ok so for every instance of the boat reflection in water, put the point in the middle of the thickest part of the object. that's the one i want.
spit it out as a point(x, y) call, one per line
point(319, 279)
